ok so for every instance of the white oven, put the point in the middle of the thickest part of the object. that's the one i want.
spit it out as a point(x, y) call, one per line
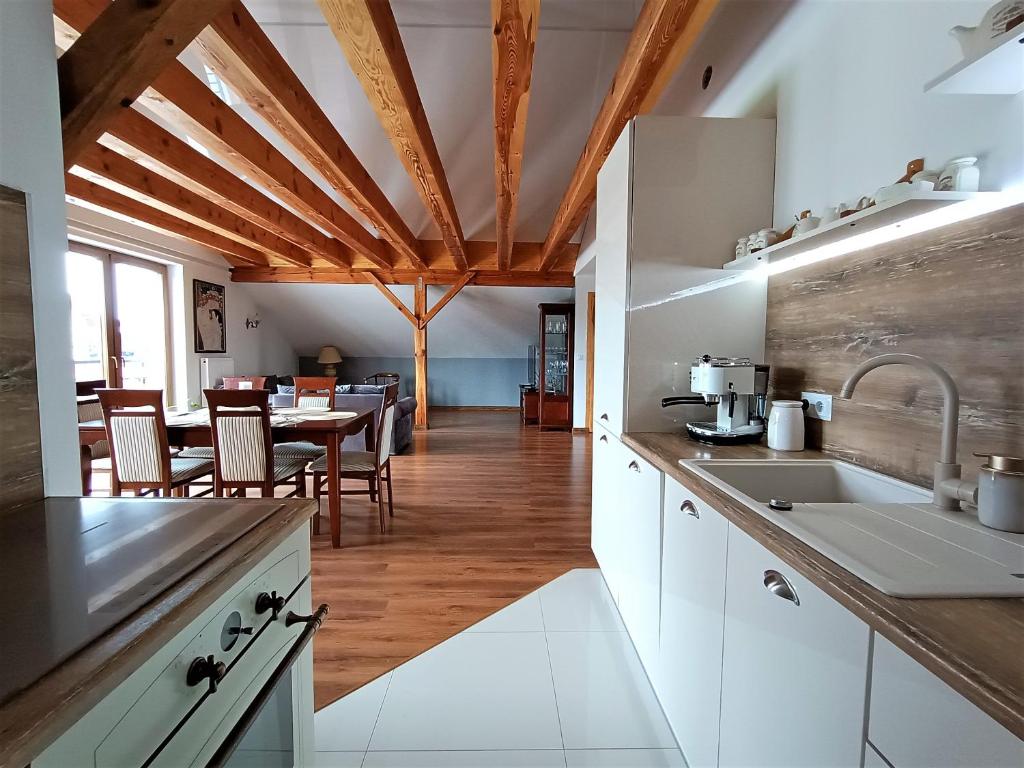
point(233, 688)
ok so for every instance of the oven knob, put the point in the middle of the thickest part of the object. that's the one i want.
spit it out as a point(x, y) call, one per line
point(271, 602)
point(205, 669)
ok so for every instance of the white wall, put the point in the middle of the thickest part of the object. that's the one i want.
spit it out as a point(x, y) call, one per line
point(31, 160)
point(263, 350)
point(845, 79)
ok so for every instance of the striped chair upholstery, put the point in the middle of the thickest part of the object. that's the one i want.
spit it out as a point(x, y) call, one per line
point(313, 401)
point(241, 449)
point(136, 445)
point(140, 456)
point(387, 427)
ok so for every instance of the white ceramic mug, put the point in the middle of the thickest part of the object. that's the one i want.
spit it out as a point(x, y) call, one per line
point(786, 426)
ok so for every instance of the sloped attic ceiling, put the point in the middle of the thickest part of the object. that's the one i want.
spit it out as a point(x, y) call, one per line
point(448, 43)
point(480, 322)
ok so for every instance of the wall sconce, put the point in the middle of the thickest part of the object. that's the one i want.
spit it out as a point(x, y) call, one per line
point(252, 322)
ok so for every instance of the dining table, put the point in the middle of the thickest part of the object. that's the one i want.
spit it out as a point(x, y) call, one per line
point(328, 428)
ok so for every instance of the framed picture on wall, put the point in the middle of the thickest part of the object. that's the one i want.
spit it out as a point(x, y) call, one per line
point(208, 317)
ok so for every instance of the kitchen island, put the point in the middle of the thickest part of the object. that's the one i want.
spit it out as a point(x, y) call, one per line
point(98, 587)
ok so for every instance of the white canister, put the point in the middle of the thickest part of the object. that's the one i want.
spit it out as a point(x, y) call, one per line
point(1001, 494)
point(786, 425)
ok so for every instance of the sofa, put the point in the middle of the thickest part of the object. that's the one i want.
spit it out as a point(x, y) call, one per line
point(359, 397)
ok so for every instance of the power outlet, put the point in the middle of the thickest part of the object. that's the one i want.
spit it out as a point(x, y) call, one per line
point(819, 405)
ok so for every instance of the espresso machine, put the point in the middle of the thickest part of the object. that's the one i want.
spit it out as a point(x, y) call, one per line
point(738, 389)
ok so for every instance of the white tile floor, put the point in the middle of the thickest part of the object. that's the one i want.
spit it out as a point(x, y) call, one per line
point(551, 680)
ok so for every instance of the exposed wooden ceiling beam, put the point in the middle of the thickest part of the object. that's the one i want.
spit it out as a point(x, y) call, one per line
point(119, 55)
point(450, 294)
point(78, 189)
point(664, 32)
point(184, 100)
point(105, 167)
point(369, 37)
point(396, 302)
point(237, 49)
point(140, 139)
point(533, 279)
point(515, 35)
point(482, 254)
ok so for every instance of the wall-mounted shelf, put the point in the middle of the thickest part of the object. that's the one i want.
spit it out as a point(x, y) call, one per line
point(875, 217)
point(999, 69)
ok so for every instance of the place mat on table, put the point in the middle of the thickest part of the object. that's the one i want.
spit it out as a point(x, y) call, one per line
point(326, 416)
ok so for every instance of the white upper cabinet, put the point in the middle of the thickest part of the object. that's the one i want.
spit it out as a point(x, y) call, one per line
point(614, 188)
point(917, 721)
point(689, 680)
point(794, 671)
point(640, 595)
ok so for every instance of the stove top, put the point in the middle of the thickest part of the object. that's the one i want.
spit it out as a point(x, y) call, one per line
point(72, 569)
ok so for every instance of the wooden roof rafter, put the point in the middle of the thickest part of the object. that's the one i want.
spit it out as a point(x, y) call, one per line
point(237, 49)
point(515, 36)
point(664, 32)
point(369, 37)
point(488, 277)
point(139, 139)
point(186, 101)
point(78, 189)
point(122, 52)
point(107, 168)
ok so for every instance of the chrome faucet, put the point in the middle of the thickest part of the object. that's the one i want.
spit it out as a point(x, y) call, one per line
point(948, 489)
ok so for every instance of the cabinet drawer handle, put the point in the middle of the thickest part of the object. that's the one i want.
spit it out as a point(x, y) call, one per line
point(603, 438)
point(604, 417)
point(634, 466)
point(689, 508)
point(779, 585)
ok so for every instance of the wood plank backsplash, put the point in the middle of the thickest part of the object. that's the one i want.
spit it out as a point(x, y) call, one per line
point(954, 295)
point(21, 471)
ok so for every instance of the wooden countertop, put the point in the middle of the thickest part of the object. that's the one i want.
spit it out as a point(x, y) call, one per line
point(58, 530)
point(974, 645)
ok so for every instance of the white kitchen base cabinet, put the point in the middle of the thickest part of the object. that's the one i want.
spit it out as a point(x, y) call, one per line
point(794, 671)
point(640, 534)
point(692, 622)
point(606, 512)
point(917, 721)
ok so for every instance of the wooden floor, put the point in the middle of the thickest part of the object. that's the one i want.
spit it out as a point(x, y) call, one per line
point(485, 511)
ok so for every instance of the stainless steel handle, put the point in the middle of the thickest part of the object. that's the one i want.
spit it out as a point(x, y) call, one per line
point(689, 508)
point(604, 417)
point(603, 438)
point(634, 466)
point(779, 585)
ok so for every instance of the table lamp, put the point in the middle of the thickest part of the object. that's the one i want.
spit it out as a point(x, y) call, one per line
point(328, 358)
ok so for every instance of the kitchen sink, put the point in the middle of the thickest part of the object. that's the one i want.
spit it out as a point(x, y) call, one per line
point(883, 530)
point(829, 482)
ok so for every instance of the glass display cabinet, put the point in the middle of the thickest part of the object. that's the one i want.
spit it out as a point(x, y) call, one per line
point(554, 366)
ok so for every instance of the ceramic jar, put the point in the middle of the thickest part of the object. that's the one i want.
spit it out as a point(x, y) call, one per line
point(786, 426)
point(960, 175)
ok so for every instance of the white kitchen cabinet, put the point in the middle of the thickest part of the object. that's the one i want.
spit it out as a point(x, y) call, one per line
point(917, 721)
point(794, 668)
point(640, 536)
point(611, 283)
point(689, 681)
point(606, 517)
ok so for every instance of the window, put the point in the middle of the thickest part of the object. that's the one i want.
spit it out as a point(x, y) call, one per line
point(119, 319)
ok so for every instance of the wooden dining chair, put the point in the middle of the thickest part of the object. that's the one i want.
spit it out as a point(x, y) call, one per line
point(140, 456)
point(372, 466)
point(243, 450)
point(245, 382)
point(310, 392)
point(314, 392)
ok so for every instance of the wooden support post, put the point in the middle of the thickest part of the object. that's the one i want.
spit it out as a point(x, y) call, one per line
point(420, 354)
